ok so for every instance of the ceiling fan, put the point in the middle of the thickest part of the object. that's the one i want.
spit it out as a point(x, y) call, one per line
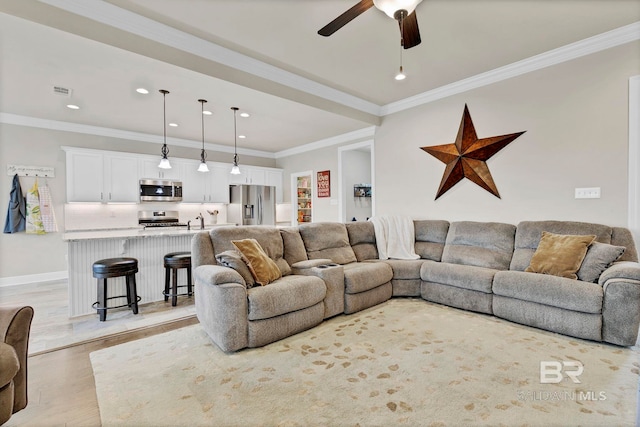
point(401, 10)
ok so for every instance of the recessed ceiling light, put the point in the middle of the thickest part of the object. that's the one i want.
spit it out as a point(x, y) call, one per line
point(73, 106)
point(207, 113)
point(173, 125)
point(244, 114)
point(241, 136)
point(142, 90)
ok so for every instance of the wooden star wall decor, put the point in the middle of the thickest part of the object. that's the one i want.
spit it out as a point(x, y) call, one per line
point(466, 158)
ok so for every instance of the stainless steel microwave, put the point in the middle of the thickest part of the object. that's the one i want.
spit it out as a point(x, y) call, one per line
point(154, 190)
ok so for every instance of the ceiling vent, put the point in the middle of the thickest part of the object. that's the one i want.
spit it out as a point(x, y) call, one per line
point(63, 91)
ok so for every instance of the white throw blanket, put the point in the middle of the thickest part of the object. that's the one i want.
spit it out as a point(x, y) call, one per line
point(395, 237)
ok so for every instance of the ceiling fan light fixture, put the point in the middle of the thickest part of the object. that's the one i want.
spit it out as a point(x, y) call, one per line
point(390, 7)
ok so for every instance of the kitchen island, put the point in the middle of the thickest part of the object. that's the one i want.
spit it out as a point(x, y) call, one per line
point(148, 246)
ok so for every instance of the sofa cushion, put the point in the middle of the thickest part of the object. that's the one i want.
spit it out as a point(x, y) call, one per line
point(528, 236)
point(598, 258)
point(285, 295)
point(560, 254)
point(294, 250)
point(461, 276)
point(232, 259)
point(549, 290)
point(481, 244)
point(263, 269)
point(363, 276)
point(362, 238)
point(269, 239)
point(431, 236)
point(404, 268)
point(327, 240)
point(622, 236)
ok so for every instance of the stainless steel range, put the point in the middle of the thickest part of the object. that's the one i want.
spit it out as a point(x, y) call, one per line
point(157, 220)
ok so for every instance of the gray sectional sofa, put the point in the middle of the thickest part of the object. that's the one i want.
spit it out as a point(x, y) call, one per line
point(333, 268)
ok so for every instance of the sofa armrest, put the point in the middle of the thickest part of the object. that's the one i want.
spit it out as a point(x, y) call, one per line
point(217, 275)
point(621, 303)
point(333, 276)
point(15, 325)
point(222, 306)
point(299, 266)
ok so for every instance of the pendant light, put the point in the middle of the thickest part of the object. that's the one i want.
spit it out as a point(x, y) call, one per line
point(164, 162)
point(235, 170)
point(401, 16)
point(203, 156)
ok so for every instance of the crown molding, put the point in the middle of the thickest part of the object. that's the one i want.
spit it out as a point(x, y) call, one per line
point(34, 122)
point(607, 40)
point(367, 132)
point(122, 19)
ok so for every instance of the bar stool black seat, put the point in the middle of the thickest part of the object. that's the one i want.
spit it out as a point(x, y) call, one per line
point(116, 267)
point(172, 263)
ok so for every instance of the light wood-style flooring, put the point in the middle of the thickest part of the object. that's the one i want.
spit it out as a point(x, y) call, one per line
point(61, 387)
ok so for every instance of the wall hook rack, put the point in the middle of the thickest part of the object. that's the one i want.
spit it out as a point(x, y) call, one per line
point(35, 171)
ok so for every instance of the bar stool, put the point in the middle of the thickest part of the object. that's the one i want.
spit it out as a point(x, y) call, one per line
point(116, 267)
point(172, 263)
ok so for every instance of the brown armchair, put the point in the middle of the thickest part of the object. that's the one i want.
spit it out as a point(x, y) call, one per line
point(15, 324)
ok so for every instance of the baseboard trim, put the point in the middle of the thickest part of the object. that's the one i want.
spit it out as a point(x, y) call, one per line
point(53, 276)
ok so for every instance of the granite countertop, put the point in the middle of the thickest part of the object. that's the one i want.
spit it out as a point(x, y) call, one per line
point(134, 233)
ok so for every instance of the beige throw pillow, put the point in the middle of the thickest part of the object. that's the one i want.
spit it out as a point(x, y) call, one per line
point(560, 255)
point(263, 269)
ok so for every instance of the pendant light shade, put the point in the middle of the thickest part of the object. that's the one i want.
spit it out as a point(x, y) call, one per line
point(203, 155)
point(235, 170)
point(164, 161)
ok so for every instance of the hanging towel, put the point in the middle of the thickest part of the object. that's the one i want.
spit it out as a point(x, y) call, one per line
point(46, 209)
point(16, 211)
point(34, 219)
point(395, 237)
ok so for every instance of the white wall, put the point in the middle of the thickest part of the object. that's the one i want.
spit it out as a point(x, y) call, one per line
point(575, 115)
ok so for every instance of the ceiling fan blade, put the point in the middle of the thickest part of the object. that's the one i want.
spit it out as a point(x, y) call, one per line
point(345, 18)
point(411, 33)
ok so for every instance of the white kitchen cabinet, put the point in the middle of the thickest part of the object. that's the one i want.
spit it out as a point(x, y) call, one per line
point(249, 175)
point(219, 182)
point(274, 178)
point(150, 169)
point(85, 176)
point(99, 177)
point(205, 187)
point(121, 179)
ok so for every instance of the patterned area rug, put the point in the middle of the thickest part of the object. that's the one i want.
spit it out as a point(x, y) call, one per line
point(404, 362)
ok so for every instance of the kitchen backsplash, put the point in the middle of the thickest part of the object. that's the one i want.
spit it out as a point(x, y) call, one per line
point(101, 216)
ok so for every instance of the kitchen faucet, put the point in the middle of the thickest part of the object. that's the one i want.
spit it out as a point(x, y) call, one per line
point(201, 218)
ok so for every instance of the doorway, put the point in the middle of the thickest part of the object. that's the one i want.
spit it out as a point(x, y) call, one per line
point(302, 197)
point(356, 182)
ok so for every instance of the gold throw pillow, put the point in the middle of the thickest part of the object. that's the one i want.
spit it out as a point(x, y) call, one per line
point(560, 255)
point(263, 269)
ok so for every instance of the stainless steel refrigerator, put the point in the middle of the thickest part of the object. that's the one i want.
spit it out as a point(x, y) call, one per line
point(252, 205)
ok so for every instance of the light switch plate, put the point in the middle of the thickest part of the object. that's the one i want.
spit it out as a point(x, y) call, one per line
point(588, 193)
